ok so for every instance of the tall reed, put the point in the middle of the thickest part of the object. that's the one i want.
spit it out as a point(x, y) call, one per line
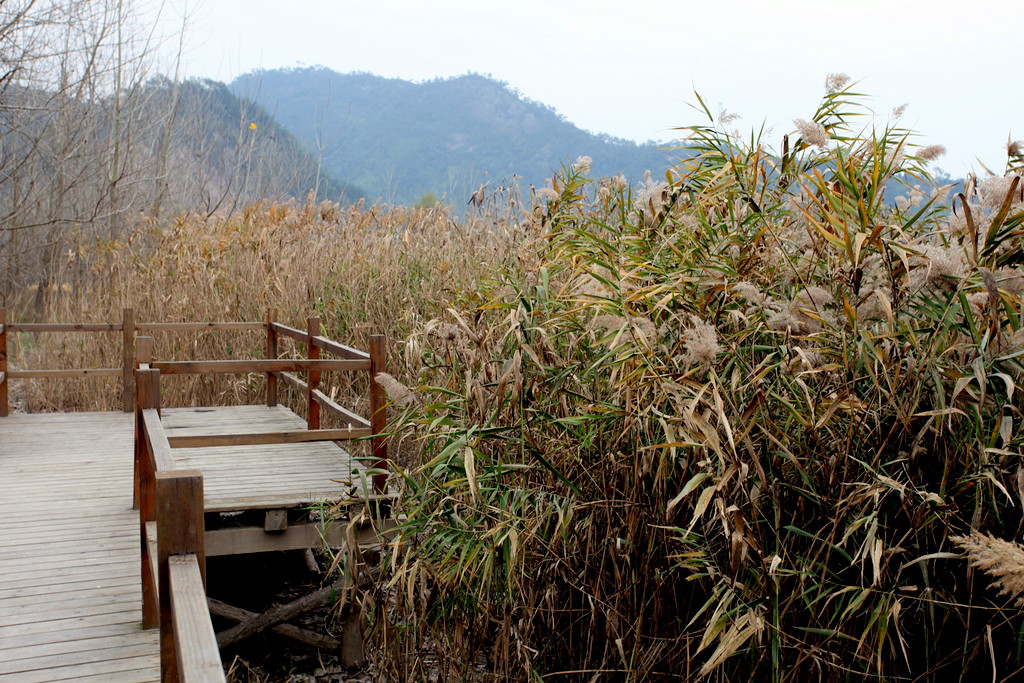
point(724, 426)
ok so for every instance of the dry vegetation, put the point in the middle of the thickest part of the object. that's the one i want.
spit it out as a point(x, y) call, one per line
point(719, 426)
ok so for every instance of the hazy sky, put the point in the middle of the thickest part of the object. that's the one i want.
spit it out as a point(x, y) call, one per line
point(630, 68)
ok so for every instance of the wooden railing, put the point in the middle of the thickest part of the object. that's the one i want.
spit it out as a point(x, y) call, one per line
point(275, 369)
point(172, 532)
point(126, 327)
point(170, 501)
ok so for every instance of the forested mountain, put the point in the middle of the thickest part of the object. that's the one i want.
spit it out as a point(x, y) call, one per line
point(245, 152)
point(399, 139)
point(81, 164)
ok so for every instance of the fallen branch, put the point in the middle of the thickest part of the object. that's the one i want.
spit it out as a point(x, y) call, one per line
point(301, 635)
point(282, 613)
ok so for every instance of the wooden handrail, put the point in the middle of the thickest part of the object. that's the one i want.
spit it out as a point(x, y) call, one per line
point(195, 643)
point(349, 359)
point(339, 350)
point(332, 406)
point(127, 329)
point(200, 326)
point(292, 332)
point(227, 367)
point(65, 327)
point(173, 562)
point(157, 442)
point(264, 438)
point(74, 372)
point(152, 454)
point(181, 534)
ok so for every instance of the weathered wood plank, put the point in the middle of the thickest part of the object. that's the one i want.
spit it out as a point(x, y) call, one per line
point(92, 655)
point(69, 583)
point(95, 473)
point(29, 610)
point(339, 350)
point(194, 640)
point(35, 614)
point(182, 421)
point(247, 439)
point(109, 670)
point(103, 643)
point(13, 584)
point(71, 594)
point(69, 373)
point(198, 367)
point(64, 327)
point(199, 326)
point(157, 440)
point(324, 400)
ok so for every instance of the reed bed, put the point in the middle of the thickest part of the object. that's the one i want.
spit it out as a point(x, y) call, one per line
point(728, 424)
point(362, 270)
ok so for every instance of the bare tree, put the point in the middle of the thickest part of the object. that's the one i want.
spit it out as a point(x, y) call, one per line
point(93, 134)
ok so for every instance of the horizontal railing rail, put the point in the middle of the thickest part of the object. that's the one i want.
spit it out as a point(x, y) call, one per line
point(333, 407)
point(56, 374)
point(195, 642)
point(276, 369)
point(66, 327)
point(266, 438)
point(226, 367)
point(201, 327)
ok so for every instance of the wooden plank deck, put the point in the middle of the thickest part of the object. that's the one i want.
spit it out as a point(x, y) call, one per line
point(70, 600)
point(70, 595)
point(237, 478)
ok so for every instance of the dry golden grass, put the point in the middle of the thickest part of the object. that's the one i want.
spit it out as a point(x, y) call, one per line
point(362, 270)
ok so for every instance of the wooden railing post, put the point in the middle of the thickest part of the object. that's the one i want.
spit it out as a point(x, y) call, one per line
point(312, 406)
point(4, 409)
point(378, 411)
point(128, 358)
point(271, 355)
point(147, 387)
point(144, 397)
point(143, 351)
point(180, 531)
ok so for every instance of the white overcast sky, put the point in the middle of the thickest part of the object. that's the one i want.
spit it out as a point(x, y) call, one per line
point(630, 67)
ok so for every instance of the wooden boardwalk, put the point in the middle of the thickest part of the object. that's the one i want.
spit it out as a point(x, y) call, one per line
point(70, 598)
point(260, 476)
point(81, 571)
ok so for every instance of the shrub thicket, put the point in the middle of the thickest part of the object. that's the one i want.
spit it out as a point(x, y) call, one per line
point(725, 425)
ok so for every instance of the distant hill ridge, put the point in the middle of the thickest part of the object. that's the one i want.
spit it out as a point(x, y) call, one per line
point(399, 140)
